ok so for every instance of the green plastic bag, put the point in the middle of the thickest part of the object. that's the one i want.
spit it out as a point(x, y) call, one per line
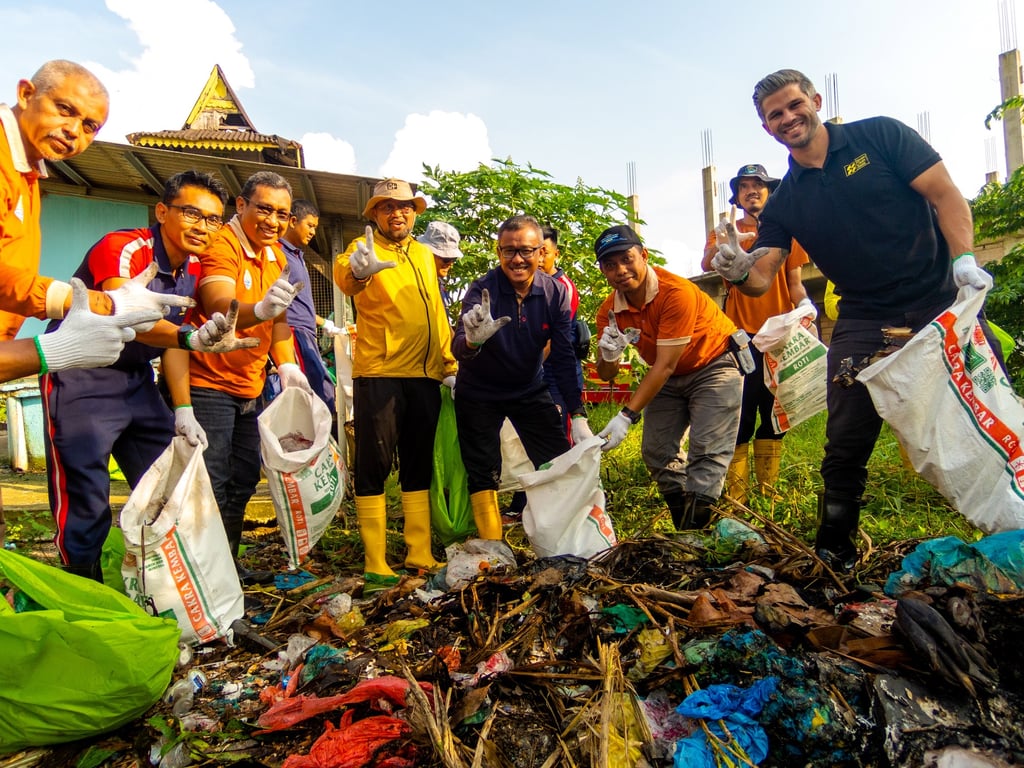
point(450, 513)
point(90, 661)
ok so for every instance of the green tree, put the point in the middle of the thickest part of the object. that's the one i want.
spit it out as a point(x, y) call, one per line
point(478, 201)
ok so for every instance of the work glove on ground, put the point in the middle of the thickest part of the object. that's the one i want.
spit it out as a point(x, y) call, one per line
point(364, 262)
point(278, 297)
point(185, 424)
point(967, 272)
point(218, 334)
point(87, 340)
point(615, 431)
point(479, 324)
point(731, 261)
point(292, 376)
point(330, 329)
point(580, 429)
point(133, 296)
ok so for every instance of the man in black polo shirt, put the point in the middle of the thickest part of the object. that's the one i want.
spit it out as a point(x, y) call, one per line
point(876, 210)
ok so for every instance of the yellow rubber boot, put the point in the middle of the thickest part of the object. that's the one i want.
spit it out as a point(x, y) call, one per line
point(416, 507)
point(371, 511)
point(767, 457)
point(737, 478)
point(486, 514)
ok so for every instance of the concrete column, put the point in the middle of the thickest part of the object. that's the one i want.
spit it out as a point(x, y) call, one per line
point(1010, 84)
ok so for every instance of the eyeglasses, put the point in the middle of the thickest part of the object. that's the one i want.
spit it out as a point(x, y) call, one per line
point(266, 212)
point(192, 215)
point(402, 206)
point(510, 253)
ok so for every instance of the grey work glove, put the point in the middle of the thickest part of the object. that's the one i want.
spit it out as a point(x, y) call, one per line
point(613, 341)
point(364, 262)
point(967, 272)
point(292, 376)
point(479, 324)
point(278, 297)
point(133, 296)
point(87, 340)
point(731, 261)
point(615, 431)
point(185, 424)
point(218, 334)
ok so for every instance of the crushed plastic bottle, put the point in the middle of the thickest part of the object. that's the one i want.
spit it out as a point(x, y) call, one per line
point(181, 697)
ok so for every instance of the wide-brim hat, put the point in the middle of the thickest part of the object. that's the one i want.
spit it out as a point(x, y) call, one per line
point(751, 171)
point(443, 239)
point(393, 189)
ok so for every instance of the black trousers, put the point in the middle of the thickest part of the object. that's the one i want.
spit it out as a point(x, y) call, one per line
point(535, 418)
point(757, 399)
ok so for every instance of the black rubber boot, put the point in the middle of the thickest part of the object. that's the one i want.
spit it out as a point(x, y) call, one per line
point(676, 503)
point(87, 570)
point(247, 576)
point(838, 518)
point(696, 513)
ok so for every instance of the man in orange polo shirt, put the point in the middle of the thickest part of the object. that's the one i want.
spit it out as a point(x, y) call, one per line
point(693, 382)
point(750, 189)
point(244, 262)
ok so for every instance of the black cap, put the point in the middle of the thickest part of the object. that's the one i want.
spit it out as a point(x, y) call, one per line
point(752, 171)
point(616, 239)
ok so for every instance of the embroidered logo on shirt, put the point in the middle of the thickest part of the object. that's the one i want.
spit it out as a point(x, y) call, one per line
point(247, 280)
point(19, 210)
point(857, 164)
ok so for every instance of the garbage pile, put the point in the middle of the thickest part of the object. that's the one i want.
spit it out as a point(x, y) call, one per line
point(732, 648)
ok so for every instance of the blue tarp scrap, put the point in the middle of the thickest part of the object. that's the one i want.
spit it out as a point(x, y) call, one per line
point(993, 564)
point(738, 709)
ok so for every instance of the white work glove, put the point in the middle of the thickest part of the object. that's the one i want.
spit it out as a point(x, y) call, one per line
point(292, 376)
point(133, 296)
point(479, 324)
point(722, 230)
point(218, 334)
point(612, 341)
point(615, 431)
point(806, 302)
point(185, 424)
point(731, 261)
point(87, 340)
point(580, 429)
point(449, 381)
point(330, 329)
point(967, 272)
point(364, 262)
point(278, 297)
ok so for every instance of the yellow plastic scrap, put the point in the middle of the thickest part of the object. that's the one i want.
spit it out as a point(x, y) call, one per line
point(626, 736)
point(654, 650)
point(399, 630)
point(351, 621)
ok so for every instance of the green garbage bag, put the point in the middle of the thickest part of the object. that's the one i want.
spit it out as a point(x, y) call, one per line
point(78, 660)
point(450, 513)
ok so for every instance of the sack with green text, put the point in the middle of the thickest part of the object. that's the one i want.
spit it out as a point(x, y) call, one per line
point(79, 658)
point(305, 471)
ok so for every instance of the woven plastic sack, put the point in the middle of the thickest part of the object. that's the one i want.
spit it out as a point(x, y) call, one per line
point(177, 562)
point(950, 405)
point(307, 484)
point(451, 515)
point(514, 459)
point(86, 661)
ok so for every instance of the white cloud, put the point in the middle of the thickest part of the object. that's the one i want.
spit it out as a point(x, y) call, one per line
point(673, 208)
point(179, 49)
point(451, 140)
point(325, 152)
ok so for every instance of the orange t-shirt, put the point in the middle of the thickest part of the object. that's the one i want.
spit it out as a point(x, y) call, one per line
point(750, 312)
point(675, 312)
point(22, 290)
point(242, 372)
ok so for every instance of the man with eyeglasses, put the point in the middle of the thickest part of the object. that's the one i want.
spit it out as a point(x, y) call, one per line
point(693, 382)
point(118, 410)
point(443, 241)
point(501, 367)
point(402, 355)
point(244, 262)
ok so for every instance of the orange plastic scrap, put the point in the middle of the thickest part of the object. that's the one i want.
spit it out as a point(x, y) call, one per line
point(288, 712)
point(355, 744)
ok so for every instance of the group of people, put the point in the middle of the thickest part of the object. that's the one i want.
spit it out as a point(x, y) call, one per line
point(217, 301)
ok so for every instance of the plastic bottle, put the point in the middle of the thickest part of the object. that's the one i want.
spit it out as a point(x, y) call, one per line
point(180, 697)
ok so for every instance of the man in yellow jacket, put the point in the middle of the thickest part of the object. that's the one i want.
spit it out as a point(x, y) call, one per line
point(403, 354)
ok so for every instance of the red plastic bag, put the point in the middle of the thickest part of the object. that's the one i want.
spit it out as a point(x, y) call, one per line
point(353, 745)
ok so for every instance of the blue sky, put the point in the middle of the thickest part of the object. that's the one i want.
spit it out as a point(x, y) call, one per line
point(579, 89)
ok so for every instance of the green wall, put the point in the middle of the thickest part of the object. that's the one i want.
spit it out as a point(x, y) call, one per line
point(70, 227)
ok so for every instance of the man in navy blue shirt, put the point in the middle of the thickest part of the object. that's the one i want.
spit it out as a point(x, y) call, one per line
point(501, 367)
point(877, 212)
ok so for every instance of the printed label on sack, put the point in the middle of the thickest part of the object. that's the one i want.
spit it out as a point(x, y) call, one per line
point(190, 595)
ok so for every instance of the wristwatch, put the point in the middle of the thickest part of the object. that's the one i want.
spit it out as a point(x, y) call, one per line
point(184, 331)
point(632, 415)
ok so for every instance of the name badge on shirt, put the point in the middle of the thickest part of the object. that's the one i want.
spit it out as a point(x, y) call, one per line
point(247, 280)
point(19, 210)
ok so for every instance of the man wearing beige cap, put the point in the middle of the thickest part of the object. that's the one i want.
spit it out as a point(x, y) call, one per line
point(402, 355)
point(443, 241)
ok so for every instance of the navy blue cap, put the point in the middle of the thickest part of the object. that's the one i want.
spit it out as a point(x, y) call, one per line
point(616, 239)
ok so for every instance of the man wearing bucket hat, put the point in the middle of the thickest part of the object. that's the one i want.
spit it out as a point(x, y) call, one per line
point(402, 355)
point(694, 377)
point(750, 190)
point(443, 241)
